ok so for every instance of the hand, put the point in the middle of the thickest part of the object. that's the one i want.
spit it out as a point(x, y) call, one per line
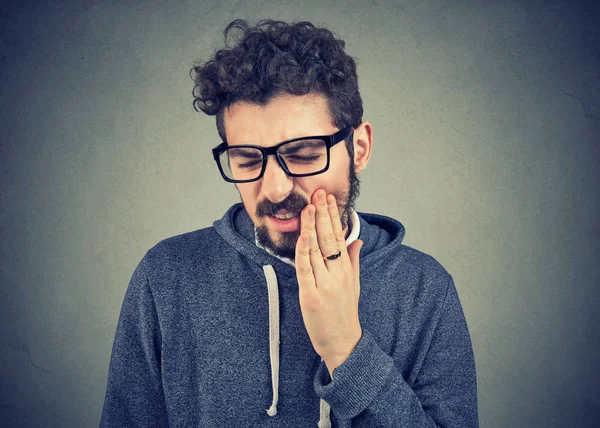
point(329, 290)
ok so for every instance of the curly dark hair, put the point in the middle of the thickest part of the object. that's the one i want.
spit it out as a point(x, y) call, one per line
point(274, 58)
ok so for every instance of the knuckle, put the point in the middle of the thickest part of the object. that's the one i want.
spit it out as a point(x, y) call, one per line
point(310, 303)
point(306, 271)
point(315, 251)
point(303, 252)
point(339, 237)
point(329, 238)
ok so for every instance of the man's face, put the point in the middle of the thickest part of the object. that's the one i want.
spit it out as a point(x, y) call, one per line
point(276, 196)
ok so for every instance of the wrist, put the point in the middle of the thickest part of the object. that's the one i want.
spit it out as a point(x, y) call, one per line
point(334, 361)
point(333, 364)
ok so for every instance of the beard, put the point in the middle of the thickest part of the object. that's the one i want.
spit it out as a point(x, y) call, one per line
point(285, 243)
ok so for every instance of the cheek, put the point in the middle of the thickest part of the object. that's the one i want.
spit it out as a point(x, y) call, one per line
point(336, 176)
point(335, 180)
point(307, 186)
point(249, 194)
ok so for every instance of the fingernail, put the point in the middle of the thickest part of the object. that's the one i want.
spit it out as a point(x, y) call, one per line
point(321, 196)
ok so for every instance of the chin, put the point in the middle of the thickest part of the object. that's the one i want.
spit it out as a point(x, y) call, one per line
point(282, 244)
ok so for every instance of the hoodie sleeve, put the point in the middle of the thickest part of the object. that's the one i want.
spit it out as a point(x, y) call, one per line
point(134, 394)
point(369, 391)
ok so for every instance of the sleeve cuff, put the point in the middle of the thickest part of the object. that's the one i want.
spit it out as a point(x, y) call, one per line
point(358, 381)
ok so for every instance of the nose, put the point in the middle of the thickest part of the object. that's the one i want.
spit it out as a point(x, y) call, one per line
point(276, 184)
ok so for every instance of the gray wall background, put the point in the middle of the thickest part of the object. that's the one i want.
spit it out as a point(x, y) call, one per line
point(486, 118)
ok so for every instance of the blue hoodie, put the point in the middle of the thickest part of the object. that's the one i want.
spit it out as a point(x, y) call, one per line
point(211, 335)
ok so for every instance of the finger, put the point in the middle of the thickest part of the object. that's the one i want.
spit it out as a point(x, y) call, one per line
point(307, 219)
point(304, 271)
point(325, 235)
point(336, 224)
point(354, 254)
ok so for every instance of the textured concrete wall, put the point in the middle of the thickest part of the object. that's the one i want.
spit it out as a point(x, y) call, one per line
point(487, 124)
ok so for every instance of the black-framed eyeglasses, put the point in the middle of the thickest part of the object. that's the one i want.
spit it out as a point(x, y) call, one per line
point(300, 157)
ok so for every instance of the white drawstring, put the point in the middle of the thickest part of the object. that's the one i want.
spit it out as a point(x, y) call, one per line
point(324, 409)
point(273, 291)
point(273, 296)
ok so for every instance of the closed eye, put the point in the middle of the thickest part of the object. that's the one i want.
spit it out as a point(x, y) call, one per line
point(302, 159)
point(249, 165)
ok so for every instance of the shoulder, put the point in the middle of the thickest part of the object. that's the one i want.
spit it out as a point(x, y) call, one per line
point(403, 271)
point(414, 270)
point(189, 248)
point(425, 276)
point(384, 247)
point(421, 263)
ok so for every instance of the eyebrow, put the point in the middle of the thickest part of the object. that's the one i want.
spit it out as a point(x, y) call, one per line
point(302, 144)
point(245, 152)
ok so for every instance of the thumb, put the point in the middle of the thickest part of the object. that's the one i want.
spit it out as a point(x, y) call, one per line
point(354, 255)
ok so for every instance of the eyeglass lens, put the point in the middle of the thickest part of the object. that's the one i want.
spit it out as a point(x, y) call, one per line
point(300, 157)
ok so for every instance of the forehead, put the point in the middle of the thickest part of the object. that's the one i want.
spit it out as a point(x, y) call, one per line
point(283, 118)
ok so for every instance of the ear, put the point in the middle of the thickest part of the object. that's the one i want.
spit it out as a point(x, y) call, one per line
point(363, 142)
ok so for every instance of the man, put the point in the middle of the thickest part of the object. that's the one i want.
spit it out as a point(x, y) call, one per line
point(293, 302)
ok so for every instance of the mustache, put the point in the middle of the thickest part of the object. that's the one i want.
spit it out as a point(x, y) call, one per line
point(293, 203)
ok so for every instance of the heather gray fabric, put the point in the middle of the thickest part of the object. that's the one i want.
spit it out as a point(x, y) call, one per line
point(192, 342)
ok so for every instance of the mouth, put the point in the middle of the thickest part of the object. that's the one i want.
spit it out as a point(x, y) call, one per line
point(285, 215)
point(285, 221)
